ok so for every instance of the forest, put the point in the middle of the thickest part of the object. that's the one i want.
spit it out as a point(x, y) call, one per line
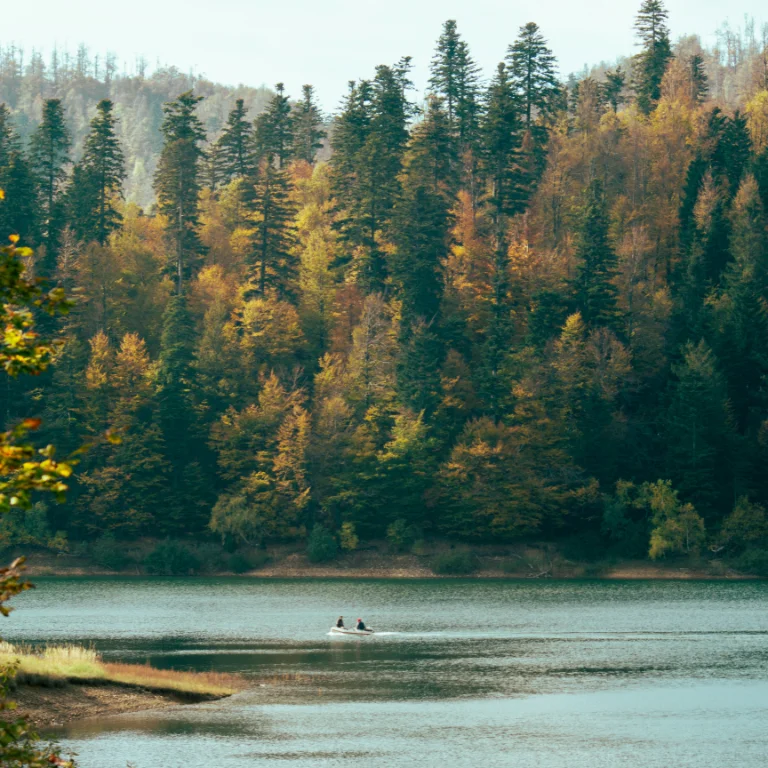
point(517, 307)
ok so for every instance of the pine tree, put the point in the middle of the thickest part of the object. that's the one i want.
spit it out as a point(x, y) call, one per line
point(455, 78)
point(596, 291)
point(8, 138)
point(177, 182)
point(699, 432)
point(613, 88)
point(273, 266)
point(531, 66)
point(19, 211)
point(274, 129)
point(501, 147)
point(369, 145)
point(308, 133)
point(741, 310)
point(421, 218)
point(99, 178)
point(736, 149)
point(185, 444)
point(650, 64)
point(234, 148)
point(699, 79)
point(350, 132)
point(49, 159)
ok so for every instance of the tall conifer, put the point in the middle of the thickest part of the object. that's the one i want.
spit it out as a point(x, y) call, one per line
point(234, 148)
point(274, 129)
point(273, 266)
point(531, 66)
point(177, 181)
point(596, 264)
point(100, 178)
point(49, 159)
point(308, 133)
point(455, 78)
point(651, 63)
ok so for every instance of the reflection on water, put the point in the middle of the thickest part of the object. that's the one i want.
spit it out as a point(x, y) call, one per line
point(543, 674)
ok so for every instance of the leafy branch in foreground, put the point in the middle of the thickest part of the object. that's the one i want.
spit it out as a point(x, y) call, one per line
point(23, 468)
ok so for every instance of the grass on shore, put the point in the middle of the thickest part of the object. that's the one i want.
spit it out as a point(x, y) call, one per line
point(71, 663)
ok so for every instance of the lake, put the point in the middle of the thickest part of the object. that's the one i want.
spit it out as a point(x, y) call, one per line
point(538, 674)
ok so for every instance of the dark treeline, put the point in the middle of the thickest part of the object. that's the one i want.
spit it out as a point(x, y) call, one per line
point(517, 309)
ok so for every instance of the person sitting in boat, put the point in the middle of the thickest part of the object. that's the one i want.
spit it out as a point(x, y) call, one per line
point(340, 623)
point(361, 626)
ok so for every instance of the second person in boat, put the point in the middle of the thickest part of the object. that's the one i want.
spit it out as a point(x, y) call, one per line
point(361, 626)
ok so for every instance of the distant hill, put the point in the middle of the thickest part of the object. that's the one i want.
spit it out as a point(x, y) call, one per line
point(81, 81)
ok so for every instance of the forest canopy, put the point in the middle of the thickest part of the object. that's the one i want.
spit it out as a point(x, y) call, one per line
point(517, 307)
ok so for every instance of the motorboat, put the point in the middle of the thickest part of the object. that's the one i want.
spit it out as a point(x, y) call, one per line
point(350, 631)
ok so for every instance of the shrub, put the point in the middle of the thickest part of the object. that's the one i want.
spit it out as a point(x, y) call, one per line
point(172, 558)
point(109, 553)
point(241, 562)
point(401, 536)
point(321, 546)
point(211, 557)
point(419, 547)
point(755, 562)
point(455, 564)
point(348, 537)
point(746, 527)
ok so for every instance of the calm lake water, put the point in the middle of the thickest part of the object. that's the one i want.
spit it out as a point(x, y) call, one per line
point(495, 673)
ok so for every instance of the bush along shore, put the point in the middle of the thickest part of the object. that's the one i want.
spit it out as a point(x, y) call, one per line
point(396, 557)
point(54, 685)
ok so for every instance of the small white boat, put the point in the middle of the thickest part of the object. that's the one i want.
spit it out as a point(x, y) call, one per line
point(350, 631)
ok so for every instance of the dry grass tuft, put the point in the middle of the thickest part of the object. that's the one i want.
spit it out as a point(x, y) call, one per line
point(214, 683)
point(62, 663)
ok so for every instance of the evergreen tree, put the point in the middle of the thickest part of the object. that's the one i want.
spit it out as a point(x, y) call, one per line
point(19, 211)
point(455, 78)
point(274, 129)
point(531, 67)
point(8, 138)
point(308, 133)
point(613, 88)
point(698, 432)
point(49, 159)
point(273, 266)
point(234, 148)
point(350, 131)
point(501, 148)
point(371, 142)
point(177, 181)
point(185, 445)
point(596, 264)
point(650, 64)
point(699, 79)
point(741, 311)
point(736, 151)
point(98, 180)
point(421, 218)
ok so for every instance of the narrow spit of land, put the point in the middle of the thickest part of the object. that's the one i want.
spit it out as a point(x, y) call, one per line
point(55, 685)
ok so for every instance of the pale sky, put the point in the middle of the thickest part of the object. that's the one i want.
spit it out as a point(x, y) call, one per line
point(328, 42)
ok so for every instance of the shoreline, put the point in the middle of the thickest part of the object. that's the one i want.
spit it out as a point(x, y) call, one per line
point(629, 571)
point(49, 707)
point(438, 560)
